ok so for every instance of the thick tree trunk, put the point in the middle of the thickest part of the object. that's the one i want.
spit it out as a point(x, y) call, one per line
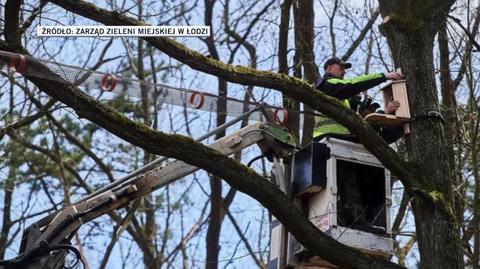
point(410, 33)
point(304, 40)
point(289, 103)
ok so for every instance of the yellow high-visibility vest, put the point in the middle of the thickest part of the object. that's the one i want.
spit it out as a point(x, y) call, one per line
point(325, 125)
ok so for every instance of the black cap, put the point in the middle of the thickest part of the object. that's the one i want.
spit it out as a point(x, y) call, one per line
point(336, 60)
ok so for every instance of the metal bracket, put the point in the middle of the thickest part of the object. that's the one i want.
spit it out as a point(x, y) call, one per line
point(430, 115)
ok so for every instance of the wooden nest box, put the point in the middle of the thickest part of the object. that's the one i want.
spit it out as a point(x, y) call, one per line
point(394, 91)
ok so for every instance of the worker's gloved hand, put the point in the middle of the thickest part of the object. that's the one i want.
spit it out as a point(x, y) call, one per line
point(393, 76)
point(392, 106)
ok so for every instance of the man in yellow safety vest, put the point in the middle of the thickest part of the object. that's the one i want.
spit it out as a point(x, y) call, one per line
point(333, 84)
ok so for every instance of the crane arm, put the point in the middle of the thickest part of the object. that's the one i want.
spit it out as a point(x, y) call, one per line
point(51, 235)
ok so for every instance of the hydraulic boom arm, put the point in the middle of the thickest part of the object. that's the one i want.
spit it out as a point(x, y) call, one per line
point(46, 242)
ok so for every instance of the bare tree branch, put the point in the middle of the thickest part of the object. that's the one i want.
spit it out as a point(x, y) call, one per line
point(362, 35)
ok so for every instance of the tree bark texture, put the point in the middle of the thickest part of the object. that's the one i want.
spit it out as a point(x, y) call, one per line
point(303, 13)
point(410, 27)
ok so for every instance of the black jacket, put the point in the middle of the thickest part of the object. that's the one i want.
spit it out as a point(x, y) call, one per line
point(346, 88)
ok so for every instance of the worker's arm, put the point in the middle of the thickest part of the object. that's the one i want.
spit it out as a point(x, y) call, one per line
point(345, 88)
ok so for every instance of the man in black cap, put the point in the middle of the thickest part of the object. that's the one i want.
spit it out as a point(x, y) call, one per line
point(333, 84)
